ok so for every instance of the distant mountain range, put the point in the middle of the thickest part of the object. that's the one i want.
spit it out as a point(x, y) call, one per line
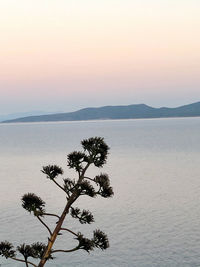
point(139, 111)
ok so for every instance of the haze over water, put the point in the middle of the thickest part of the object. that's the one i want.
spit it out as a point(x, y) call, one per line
point(153, 218)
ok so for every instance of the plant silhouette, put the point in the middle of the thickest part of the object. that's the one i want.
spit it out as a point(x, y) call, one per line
point(95, 152)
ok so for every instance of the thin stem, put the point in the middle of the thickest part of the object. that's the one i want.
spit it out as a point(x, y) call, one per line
point(15, 259)
point(77, 217)
point(51, 214)
point(81, 176)
point(67, 192)
point(56, 231)
point(73, 187)
point(58, 185)
point(62, 250)
point(88, 178)
point(69, 231)
point(44, 225)
point(84, 170)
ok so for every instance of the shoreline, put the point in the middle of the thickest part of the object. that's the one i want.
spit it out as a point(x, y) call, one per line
point(94, 121)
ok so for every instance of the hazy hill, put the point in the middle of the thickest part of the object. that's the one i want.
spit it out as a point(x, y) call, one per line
point(13, 116)
point(117, 112)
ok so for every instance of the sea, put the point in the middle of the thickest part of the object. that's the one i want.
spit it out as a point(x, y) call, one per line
point(153, 219)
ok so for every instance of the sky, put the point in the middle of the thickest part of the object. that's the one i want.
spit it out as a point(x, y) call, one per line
point(63, 55)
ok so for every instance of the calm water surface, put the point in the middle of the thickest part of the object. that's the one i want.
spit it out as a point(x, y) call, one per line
point(154, 166)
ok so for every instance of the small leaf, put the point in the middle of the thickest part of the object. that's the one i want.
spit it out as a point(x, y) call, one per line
point(69, 184)
point(97, 149)
point(26, 250)
point(100, 240)
point(6, 250)
point(39, 249)
point(105, 189)
point(75, 160)
point(85, 243)
point(84, 217)
point(75, 212)
point(33, 203)
point(85, 188)
point(52, 171)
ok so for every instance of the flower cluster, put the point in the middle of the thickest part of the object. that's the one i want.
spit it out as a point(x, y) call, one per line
point(99, 240)
point(52, 171)
point(33, 203)
point(84, 217)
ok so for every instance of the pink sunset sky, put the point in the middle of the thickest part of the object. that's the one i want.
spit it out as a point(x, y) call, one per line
point(63, 55)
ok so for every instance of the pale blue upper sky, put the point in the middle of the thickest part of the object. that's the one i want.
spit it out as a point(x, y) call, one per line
point(62, 55)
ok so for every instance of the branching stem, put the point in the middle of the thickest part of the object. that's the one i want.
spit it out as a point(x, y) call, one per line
point(45, 225)
point(69, 231)
point(62, 250)
point(59, 185)
point(54, 235)
point(89, 178)
point(15, 259)
point(51, 214)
